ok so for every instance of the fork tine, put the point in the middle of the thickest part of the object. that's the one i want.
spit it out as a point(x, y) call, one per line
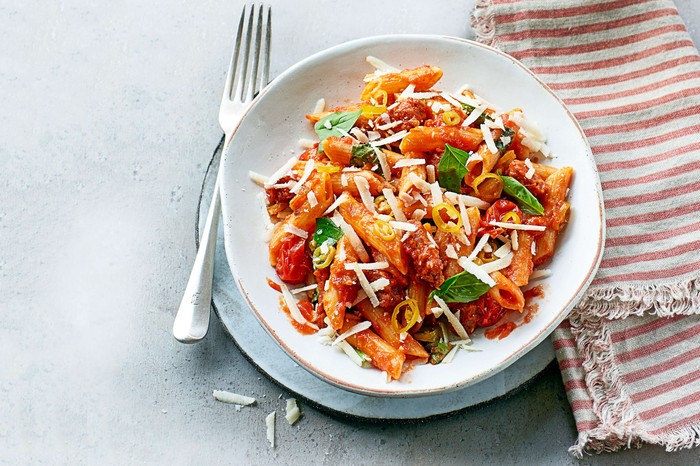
point(265, 75)
point(240, 77)
point(251, 81)
point(233, 64)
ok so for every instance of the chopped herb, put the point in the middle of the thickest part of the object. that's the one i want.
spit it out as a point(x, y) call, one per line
point(362, 154)
point(482, 118)
point(461, 288)
point(330, 124)
point(522, 196)
point(452, 168)
point(314, 297)
point(500, 145)
point(438, 351)
point(327, 231)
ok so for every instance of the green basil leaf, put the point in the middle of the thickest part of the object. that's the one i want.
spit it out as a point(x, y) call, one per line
point(523, 197)
point(327, 231)
point(461, 288)
point(507, 133)
point(362, 154)
point(452, 168)
point(329, 125)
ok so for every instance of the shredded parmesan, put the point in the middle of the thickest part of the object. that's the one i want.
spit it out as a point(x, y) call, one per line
point(380, 283)
point(465, 217)
point(450, 99)
point(282, 171)
point(368, 266)
point(418, 214)
point(475, 270)
point(531, 169)
point(353, 330)
point(366, 196)
point(407, 92)
point(450, 252)
point(320, 106)
point(437, 311)
point(419, 183)
point(257, 178)
point(518, 226)
point(503, 250)
point(383, 163)
point(293, 308)
point(488, 139)
point(289, 228)
point(533, 248)
point(306, 143)
point(355, 240)
point(430, 172)
point(344, 180)
point(454, 321)
point(388, 126)
point(351, 353)
point(333, 206)
point(270, 425)
point(514, 240)
point(450, 356)
point(311, 197)
point(364, 283)
point(479, 246)
point(304, 288)
point(436, 193)
point(469, 201)
point(308, 168)
point(292, 412)
point(405, 226)
point(474, 115)
point(233, 398)
point(498, 264)
point(388, 140)
point(394, 205)
point(409, 162)
point(381, 65)
point(357, 132)
point(541, 273)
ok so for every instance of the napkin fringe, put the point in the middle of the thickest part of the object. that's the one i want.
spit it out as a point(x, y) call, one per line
point(483, 23)
point(619, 426)
point(663, 300)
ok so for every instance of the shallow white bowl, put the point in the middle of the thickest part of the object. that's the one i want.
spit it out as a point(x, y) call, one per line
point(269, 134)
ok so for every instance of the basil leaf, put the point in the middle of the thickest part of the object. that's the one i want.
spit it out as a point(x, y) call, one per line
point(362, 154)
point(337, 120)
point(327, 231)
point(452, 168)
point(523, 197)
point(461, 288)
point(507, 133)
point(468, 109)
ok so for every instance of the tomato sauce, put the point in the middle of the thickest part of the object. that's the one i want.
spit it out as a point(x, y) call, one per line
point(503, 330)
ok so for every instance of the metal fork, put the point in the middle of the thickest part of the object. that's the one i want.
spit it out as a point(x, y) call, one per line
point(248, 73)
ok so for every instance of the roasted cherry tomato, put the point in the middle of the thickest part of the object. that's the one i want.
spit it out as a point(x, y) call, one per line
point(293, 263)
point(490, 311)
point(495, 213)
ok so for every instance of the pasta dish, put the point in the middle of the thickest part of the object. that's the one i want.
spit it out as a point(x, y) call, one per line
point(416, 217)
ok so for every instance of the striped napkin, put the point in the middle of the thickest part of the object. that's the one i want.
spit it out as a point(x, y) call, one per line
point(630, 351)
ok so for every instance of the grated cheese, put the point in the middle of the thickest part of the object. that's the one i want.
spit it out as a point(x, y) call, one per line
point(503, 250)
point(368, 266)
point(436, 193)
point(350, 351)
point(406, 198)
point(518, 226)
point(388, 126)
point(430, 172)
point(527, 125)
point(233, 398)
point(304, 288)
point(422, 185)
point(292, 412)
point(450, 356)
point(270, 425)
point(361, 296)
point(281, 172)
point(357, 132)
point(488, 139)
point(394, 205)
point(479, 246)
point(311, 197)
point(498, 264)
point(380, 283)
point(465, 217)
point(306, 143)
point(293, 308)
point(381, 65)
point(289, 228)
point(514, 240)
point(388, 140)
point(418, 214)
point(450, 252)
point(406, 92)
point(405, 226)
point(531, 170)
point(355, 240)
point(454, 321)
point(533, 248)
point(409, 162)
point(419, 198)
point(405, 236)
point(320, 106)
point(541, 273)
point(474, 115)
point(344, 180)
point(333, 206)
point(450, 99)
point(469, 201)
point(475, 270)
point(308, 169)
point(366, 196)
point(353, 330)
point(373, 135)
point(437, 311)
point(383, 163)
point(257, 178)
point(364, 283)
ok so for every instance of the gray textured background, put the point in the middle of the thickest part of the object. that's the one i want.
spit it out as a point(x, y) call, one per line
point(108, 116)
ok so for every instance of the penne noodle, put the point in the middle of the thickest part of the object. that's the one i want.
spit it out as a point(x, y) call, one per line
point(427, 139)
point(422, 78)
point(381, 323)
point(382, 355)
point(506, 293)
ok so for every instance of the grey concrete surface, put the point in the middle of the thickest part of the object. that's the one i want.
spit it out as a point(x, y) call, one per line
point(107, 120)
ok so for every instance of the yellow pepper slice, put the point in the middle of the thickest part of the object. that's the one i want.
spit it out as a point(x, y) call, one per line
point(485, 176)
point(328, 168)
point(384, 98)
point(411, 314)
point(384, 230)
point(508, 216)
point(371, 110)
point(452, 213)
point(504, 161)
point(323, 256)
point(451, 118)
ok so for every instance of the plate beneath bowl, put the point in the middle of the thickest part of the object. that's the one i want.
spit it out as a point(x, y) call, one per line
point(261, 350)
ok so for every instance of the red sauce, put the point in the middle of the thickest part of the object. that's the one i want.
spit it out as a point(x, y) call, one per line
point(503, 330)
point(305, 311)
point(273, 285)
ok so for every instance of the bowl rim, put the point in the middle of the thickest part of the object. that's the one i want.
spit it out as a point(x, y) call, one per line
point(514, 355)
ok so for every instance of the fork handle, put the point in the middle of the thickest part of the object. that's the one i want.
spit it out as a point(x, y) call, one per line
point(192, 319)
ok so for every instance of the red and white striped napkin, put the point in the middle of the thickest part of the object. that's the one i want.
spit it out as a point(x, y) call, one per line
point(630, 351)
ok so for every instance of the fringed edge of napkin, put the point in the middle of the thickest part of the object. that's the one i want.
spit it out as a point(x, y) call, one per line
point(619, 425)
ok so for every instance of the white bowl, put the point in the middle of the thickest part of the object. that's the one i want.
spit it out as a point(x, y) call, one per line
point(269, 134)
